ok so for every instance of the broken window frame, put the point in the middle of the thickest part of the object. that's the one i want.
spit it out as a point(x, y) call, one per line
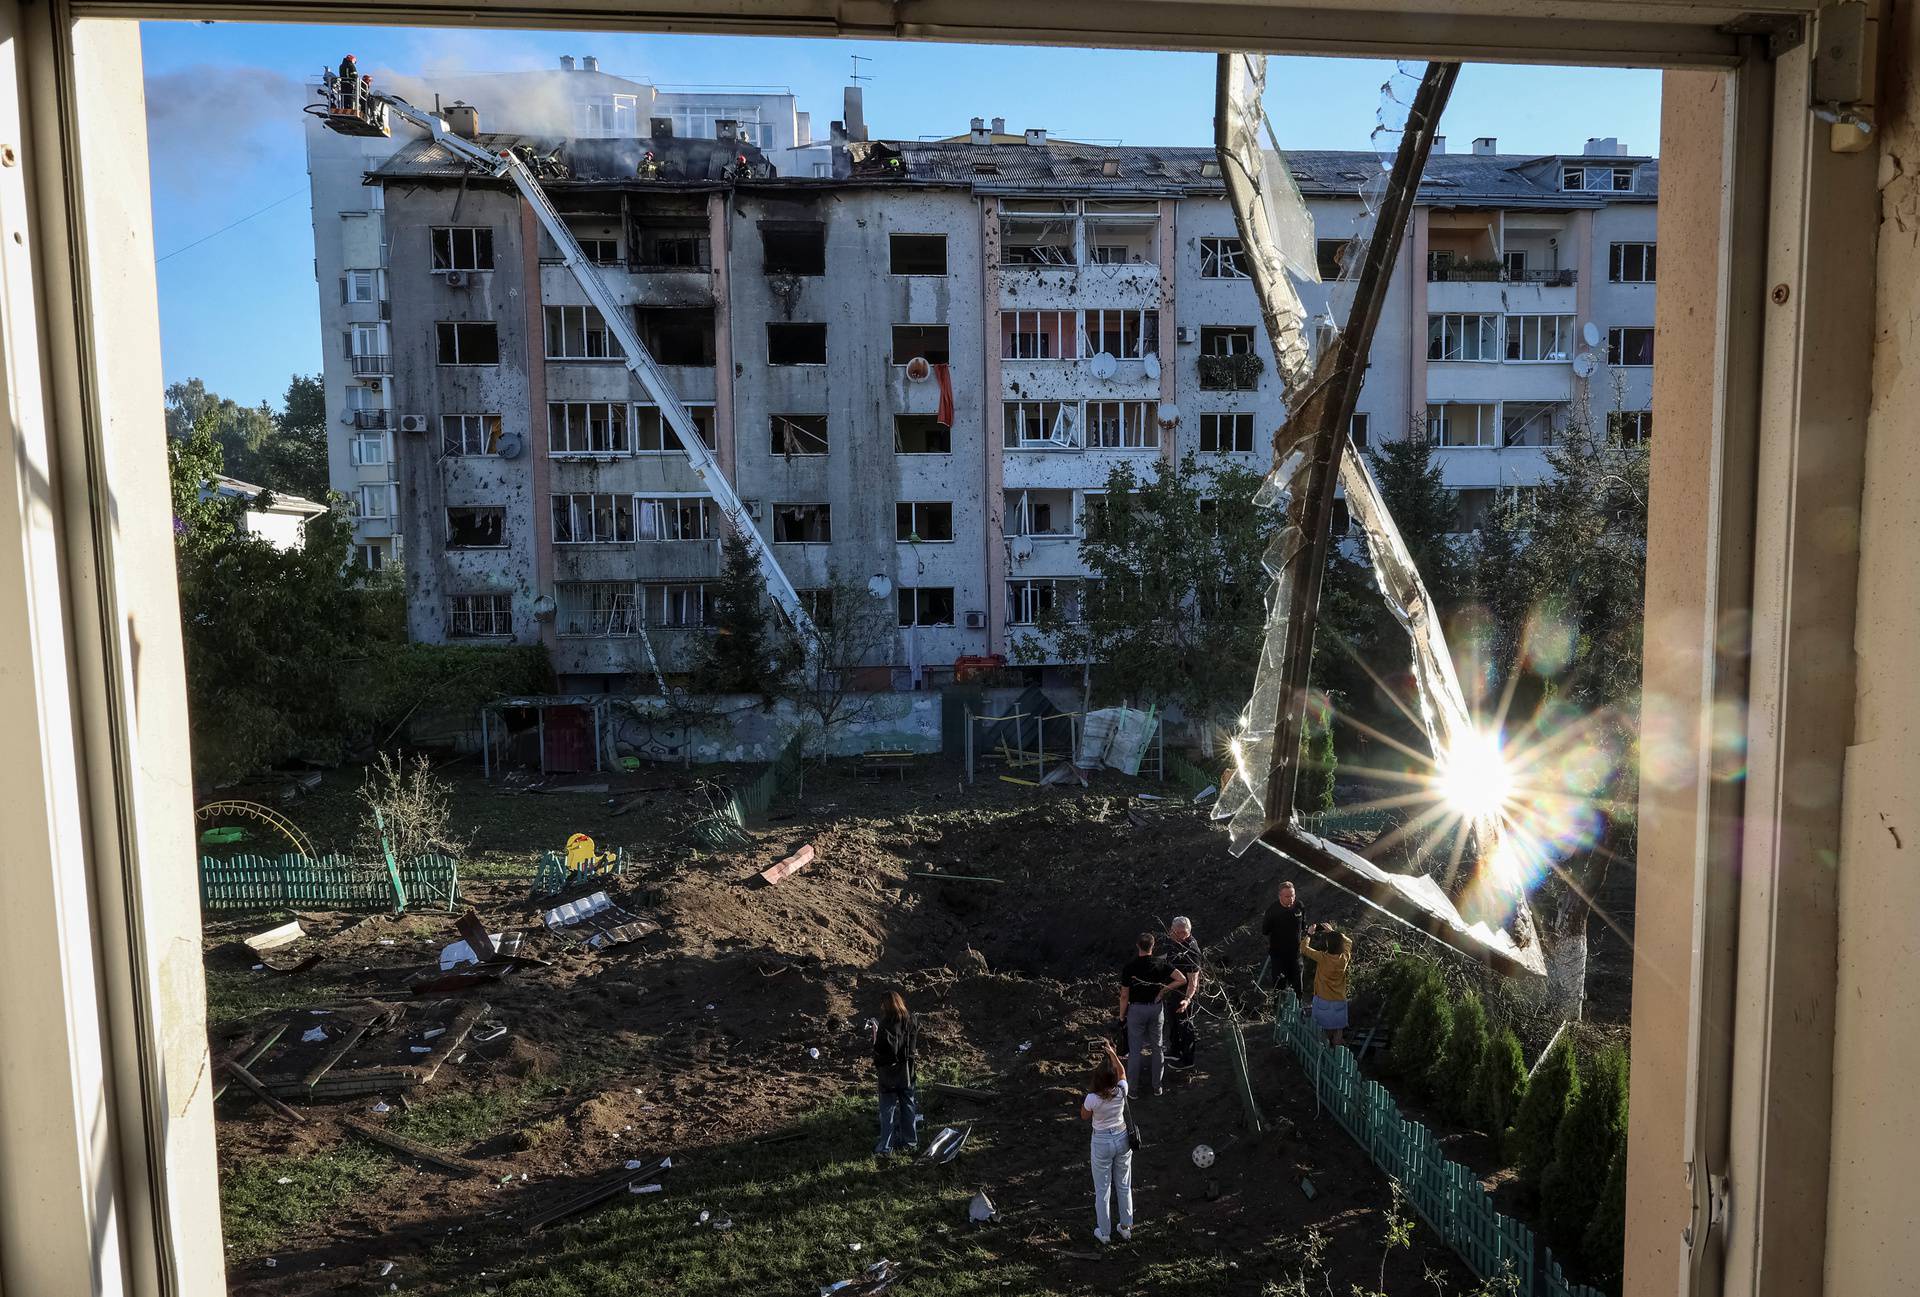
point(488, 520)
point(663, 332)
point(798, 436)
point(1464, 337)
point(1332, 257)
point(920, 605)
point(574, 431)
point(794, 258)
point(579, 333)
point(1443, 427)
point(898, 241)
point(463, 338)
point(691, 247)
point(1111, 225)
point(583, 606)
point(918, 522)
point(672, 517)
point(1223, 257)
point(786, 331)
point(1618, 351)
point(1121, 425)
point(653, 435)
point(1030, 598)
point(1039, 233)
point(600, 250)
point(466, 249)
point(675, 605)
point(1021, 514)
point(1580, 178)
point(1534, 423)
point(812, 517)
point(929, 342)
point(470, 436)
point(1630, 428)
point(923, 425)
point(1018, 342)
point(1040, 425)
point(1135, 331)
point(1539, 339)
point(1633, 262)
point(591, 517)
point(485, 614)
point(1239, 426)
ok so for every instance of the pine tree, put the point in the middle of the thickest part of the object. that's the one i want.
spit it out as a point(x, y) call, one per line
point(1604, 1246)
point(1500, 1083)
point(1555, 1085)
point(1584, 1148)
point(739, 657)
point(1422, 1036)
point(1453, 1073)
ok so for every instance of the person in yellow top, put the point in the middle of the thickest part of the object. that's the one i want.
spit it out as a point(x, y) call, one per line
point(1331, 951)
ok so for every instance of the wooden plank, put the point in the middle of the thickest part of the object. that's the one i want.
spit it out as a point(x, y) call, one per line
point(415, 1149)
point(251, 1054)
point(475, 933)
point(597, 1193)
point(334, 1055)
point(252, 1082)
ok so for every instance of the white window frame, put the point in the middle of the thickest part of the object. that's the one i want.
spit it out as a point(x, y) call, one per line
point(1631, 427)
point(1557, 415)
point(1139, 331)
point(1029, 597)
point(916, 591)
point(380, 444)
point(670, 517)
point(1441, 425)
point(463, 250)
point(582, 327)
point(459, 433)
point(915, 530)
point(675, 605)
point(1018, 513)
point(589, 515)
point(1020, 342)
point(1539, 339)
point(1237, 421)
point(1640, 257)
point(386, 497)
point(1121, 425)
point(1223, 257)
point(1459, 333)
point(574, 432)
point(1616, 346)
point(363, 287)
point(486, 614)
point(607, 117)
point(587, 603)
point(1056, 425)
point(646, 423)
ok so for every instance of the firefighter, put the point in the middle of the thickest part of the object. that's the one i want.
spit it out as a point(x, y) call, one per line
point(349, 85)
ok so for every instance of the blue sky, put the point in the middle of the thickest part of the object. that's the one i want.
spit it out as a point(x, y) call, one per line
point(238, 306)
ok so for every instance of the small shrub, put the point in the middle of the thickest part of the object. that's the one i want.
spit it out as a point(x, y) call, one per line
point(1410, 975)
point(1422, 1034)
point(1500, 1083)
point(1455, 1068)
point(1553, 1088)
point(1604, 1247)
point(414, 805)
point(1584, 1148)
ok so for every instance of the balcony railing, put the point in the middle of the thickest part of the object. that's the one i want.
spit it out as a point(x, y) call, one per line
point(370, 420)
point(367, 363)
point(1501, 275)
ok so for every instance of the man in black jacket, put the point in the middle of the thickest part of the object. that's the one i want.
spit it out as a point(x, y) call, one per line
point(1284, 925)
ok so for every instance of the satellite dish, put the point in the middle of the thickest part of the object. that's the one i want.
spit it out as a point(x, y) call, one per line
point(509, 446)
point(1169, 414)
point(1591, 332)
point(1104, 366)
point(918, 369)
point(1150, 366)
point(544, 608)
point(1583, 364)
point(878, 586)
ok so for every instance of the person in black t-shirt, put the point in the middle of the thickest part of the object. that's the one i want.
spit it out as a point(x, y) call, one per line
point(894, 1038)
point(1183, 951)
point(1144, 981)
point(1285, 924)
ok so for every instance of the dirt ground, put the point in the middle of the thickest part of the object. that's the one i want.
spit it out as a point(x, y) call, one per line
point(744, 1014)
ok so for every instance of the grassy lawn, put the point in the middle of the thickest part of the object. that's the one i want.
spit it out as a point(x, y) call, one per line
point(258, 1211)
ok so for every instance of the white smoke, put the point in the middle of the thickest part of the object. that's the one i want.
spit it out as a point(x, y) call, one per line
point(209, 117)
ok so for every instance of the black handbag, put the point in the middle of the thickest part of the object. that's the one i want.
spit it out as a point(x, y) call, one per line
point(1133, 1131)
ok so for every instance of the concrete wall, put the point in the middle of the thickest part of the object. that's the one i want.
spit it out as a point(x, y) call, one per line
point(745, 728)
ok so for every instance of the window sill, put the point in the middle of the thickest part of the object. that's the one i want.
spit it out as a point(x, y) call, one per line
point(589, 360)
point(909, 540)
point(588, 456)
point(463, 549)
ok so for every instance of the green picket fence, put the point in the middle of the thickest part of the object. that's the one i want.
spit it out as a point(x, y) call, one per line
point(726, 827)
point(322, 883)
point(1447, 1195)
point(1189, 776)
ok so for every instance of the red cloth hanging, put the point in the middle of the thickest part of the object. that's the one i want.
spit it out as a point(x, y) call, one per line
point(943, 376)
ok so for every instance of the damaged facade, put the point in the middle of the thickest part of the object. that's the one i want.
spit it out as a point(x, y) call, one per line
point(1082, 305)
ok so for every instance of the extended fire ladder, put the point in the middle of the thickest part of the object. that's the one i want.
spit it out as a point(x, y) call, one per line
point(366, 114)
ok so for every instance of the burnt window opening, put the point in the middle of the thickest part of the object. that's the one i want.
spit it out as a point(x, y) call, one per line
point(601, 252)
point(798, 434)
point(1228, 362)
point(818, 603)
point(469, 342)
point(920, 341)
point(926, 605)
point(459, 247)
point(802, 524)
point(798, 248)
point(477, 527)
point(796, 344)
point(677, 335)
point(921, 434)
point(672, 247)
point(1334, 256)
point(923, 521)
point(917, 254)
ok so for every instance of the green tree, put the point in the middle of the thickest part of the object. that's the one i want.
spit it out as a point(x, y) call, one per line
point(295, 458)
point(1553, 1088)
point(1176, 609)
point(742, 656)
point(852, 633)
point(1420, 1037)
point(1453, 1074)
point(1500, 1083)
point(1604, 1245)
point(285, 450)
point(1584, 1149)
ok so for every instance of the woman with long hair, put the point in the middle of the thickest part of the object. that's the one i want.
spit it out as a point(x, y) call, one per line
point(1106, 1107)
point(894, 1038)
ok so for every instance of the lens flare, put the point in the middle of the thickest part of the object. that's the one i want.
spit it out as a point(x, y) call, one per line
point(1474, 777)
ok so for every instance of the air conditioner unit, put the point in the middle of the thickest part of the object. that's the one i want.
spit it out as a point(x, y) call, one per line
point(455, 278)
point(752, 509)
point(1187, 333)
point(976, 621)
point(413, 423)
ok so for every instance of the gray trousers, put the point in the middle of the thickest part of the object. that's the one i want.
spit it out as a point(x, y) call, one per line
point(1145, 1025)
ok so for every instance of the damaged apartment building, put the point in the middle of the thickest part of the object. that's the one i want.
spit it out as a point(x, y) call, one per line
point(918, 370)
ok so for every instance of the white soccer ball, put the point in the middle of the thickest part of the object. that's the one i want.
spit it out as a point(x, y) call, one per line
point(1202, 1156)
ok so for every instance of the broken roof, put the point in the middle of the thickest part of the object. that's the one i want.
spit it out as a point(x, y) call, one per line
point(264, 498)
point(679, 161)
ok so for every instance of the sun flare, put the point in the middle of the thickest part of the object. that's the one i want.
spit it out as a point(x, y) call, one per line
point(1475, 778)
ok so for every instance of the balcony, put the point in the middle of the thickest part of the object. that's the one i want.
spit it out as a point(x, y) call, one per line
point(372, 420)
point(1495, 273)
point(370, 365)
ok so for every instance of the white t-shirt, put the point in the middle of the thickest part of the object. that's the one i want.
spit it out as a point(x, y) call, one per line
point(1109, 1115)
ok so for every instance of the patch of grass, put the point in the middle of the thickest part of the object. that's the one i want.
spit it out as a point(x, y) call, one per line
point(796, 1207)
point(241, 993)
point(257, 1211)
point(455, 1120)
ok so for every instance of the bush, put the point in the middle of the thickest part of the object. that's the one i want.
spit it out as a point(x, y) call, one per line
point(1604, 1247)
point(411, 806)
point(1500, 1083)
point(1553, 1088)
point(1454, 1069)
point(1584, 1148)
point(1421, 1035)
point(1406, 975)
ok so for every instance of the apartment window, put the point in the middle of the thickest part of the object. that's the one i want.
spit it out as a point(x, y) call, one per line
point(1463, 337)
point(1226, 433)
point(1123, 425)
point(580, 333)
point(917, 254)
point(1227, 358)
point(921, 434)
point(371, 557)
point(1032, 513)
point(469, 434)
point(677, 335)
point(1038, 231)
point(479, 616)
point(1126, 335)
point(592, 518)
point(802, 524)
point(595, 609)
point(1224, 259)
point(926, 605)
point(1532, 423)
point(1514, 264)
point(1039, 335)
point(1040, 425)
point(1332, 256)
point(607, 116)
point(601, 252)
point(1630, 427)
point(675, 605)
point(797, 248)
point(924, 521)
point(368, 449)
point(1029, 600)
point(469, 342)
point(798, 434)
point(1093, 514)
point(817, 603)
point(1539, 337)
point(587, 428)
point(376, 501)
point(796, 344)
point(477, 527)
point(674, 249)
point(676, 517)
point(361, 286)
point(1601, 179)
point(1629, 346)
point(920, 341)
point(460, 247)
point(652, 435)
point(1462, 425)
point(1121, 231)
point(1630, 263)
point(1471, 508)
point(1360, 429)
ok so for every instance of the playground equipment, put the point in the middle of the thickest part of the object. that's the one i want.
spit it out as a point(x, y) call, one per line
point(213, 812)
point(581, 862)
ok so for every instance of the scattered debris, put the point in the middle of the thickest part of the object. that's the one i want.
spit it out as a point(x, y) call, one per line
point(415, 1149)
point(273, 938)
point(954, 878)
point(461, 981)
point(961, 1091)
point(489, 1031)
point(793, 864)
point(947, 1144)
point(981, 1210)
point(373, 1051)
point(252, 1082)
point(313, 1034)
point(1205, 793)
point(874, 1281)
point(608, 924)
point(1306, 1187)
point(1202, 1156)
point(642, 1180)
